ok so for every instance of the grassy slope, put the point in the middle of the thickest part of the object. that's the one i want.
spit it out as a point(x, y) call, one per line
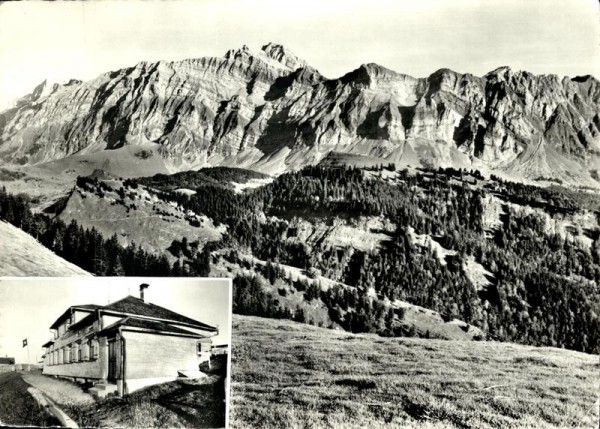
point(291, 375)
point(22, 255)
point(17, 407)
point(425, 321)
point(52, 180)
point(154, 230)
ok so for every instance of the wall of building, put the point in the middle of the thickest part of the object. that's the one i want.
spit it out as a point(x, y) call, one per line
point(140, 383)
point(150, 356)
point(78, 315)
point(73, 335)
point(109, 320)
point(91, 369)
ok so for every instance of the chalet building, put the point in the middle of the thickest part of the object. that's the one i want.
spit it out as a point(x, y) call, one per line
point(126, 345)
point(7, 364)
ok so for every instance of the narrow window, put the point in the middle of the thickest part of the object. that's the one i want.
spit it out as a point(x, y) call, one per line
point(75, 352)
point(85, 351)
point(95, 349)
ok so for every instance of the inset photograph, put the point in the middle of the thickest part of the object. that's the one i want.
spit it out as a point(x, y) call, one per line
point(114, 352)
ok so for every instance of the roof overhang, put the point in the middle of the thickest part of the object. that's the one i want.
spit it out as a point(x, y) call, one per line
point(166, 330)
point(158, 332)
point(199, 325)
point(48, 344)
point(68, 313)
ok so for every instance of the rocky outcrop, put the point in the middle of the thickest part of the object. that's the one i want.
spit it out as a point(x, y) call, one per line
point(269, 110)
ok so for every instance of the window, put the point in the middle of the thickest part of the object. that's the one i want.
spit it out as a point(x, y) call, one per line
point(75, 353)
point(95, 349)
point(85, 350)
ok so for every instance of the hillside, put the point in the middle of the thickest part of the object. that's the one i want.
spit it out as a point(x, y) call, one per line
point(270, 111)
point(298, 294)
point(287, 374)
point(441, 253)
point(519, 262)
point(134, 215)
point(22, 255)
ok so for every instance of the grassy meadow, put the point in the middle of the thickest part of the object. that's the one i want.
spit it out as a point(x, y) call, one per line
point(299, 376)
point(17, 406)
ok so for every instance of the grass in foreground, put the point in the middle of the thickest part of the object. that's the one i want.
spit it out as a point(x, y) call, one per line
point(177, 404)
point(17, 406)
point(298, 376)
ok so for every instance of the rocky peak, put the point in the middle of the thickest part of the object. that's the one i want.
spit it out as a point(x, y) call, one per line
point(233, 54)
point(44, 89)
point(283, 56)
point(40, 92)
point(503, 71)
point(443, 76)
point(251, 104)
point(370, 73)
point(584, 78)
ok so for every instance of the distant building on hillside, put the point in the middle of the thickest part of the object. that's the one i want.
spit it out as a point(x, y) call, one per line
point(126, 345)
point(7, 364)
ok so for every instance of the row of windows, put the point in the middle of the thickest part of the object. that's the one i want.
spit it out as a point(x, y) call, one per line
point(76, 352)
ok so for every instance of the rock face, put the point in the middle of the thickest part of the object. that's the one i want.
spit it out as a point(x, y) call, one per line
point(270, 111)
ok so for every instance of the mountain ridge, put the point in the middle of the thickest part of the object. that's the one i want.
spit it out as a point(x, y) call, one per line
point(269, 110)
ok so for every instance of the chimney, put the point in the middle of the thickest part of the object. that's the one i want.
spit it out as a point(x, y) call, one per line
point(142, 287)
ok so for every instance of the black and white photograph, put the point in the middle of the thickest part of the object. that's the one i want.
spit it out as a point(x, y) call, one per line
point(114, 352)
point(404, 195)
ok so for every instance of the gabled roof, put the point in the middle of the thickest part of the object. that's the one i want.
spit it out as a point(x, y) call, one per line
point(151, 326)
point(48, 344)
point(68, 311)
point(131, 305)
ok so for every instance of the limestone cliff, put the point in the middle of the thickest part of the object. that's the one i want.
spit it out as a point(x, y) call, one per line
point(270, 111)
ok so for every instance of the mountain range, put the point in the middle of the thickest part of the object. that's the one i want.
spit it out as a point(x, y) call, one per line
point(268, 110)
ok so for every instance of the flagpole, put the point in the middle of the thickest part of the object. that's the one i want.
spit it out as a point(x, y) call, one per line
point(28, 362)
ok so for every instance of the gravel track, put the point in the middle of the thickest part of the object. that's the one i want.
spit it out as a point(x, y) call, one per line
point(62, 392)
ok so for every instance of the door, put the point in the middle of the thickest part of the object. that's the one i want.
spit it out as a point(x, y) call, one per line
point(112, 360)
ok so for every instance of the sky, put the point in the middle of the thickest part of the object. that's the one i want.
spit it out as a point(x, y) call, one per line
point(63, 40)
point(28, 306)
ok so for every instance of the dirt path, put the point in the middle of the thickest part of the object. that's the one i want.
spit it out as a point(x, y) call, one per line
point(17, 406)
point(60, 391)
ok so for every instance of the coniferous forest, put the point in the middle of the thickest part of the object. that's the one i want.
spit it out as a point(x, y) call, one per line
point(543, 286)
